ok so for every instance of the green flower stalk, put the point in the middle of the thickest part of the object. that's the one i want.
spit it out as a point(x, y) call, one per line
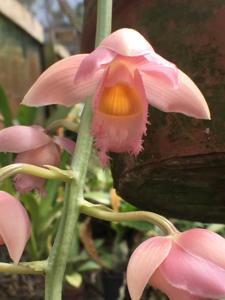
point(74, 190)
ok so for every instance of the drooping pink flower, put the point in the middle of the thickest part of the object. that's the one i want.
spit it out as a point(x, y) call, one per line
point(14, 225)
point(124, 74)
point(186, 266)
point(33, 146)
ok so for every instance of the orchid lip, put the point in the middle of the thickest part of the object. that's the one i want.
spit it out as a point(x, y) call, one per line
point(119, 116)
point(119, 100)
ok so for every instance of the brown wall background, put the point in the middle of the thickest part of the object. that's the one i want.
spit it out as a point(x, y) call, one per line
point(181, 172)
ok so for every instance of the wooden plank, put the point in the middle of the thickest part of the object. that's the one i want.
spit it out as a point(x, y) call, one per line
point(19, 15)
point(61, 51)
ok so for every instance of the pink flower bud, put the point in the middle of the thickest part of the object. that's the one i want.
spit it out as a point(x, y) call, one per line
point(33, 146)
point(186, 266)
point(14, 225)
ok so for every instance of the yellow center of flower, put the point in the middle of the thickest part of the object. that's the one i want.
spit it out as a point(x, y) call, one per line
point(119, 100)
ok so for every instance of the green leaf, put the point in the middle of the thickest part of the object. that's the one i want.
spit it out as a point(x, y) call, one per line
point(5, 158)
point(5, 108)
point(138, 225)
point(7, 185)
point(125, 207)
point(26, 115)
point(59, 113)
point(30, 202)
point(50, 218)
point(89, 266)
point(74, 279)
point(216, 227)
point(100, 197)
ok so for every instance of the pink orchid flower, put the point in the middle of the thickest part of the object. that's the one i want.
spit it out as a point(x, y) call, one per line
point(124, 74)
point(33, 146)
point(14, 225)
point(186, 266)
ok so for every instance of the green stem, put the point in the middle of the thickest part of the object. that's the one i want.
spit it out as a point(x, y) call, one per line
point(34, 267)
point(60, 251)
point(62, 123)
point(33, 243)
point(104, 20)
point(59, 254)
point(104, 214)
point(50, 172)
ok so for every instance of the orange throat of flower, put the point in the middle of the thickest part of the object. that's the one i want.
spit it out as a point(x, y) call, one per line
point(120, 100)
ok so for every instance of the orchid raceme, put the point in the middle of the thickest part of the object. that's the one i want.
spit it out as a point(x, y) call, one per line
point(14, 225)
point(186, 266)
point(124, 74)
point(32, 146)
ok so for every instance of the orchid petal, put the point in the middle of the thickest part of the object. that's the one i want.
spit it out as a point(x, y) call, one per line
point(160, 67)
point(22, 138)
point(186, 99)
point(46, 155)
point(24, 183)
point(93, 63)
point(193, 274)
point(14, 225)
point(118, 73)
point(159, 281)
point(127, 42)
point(65, 143)
point(56, 84)
point(203, 243)
point(143, 263)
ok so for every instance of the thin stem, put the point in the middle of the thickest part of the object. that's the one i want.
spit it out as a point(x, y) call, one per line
point(50, 172)
point(35, 267)
point(33, 243)
point(67, 228)
point(104, 20)
point(104, 214)
point(59, 254)
point(63, 123)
